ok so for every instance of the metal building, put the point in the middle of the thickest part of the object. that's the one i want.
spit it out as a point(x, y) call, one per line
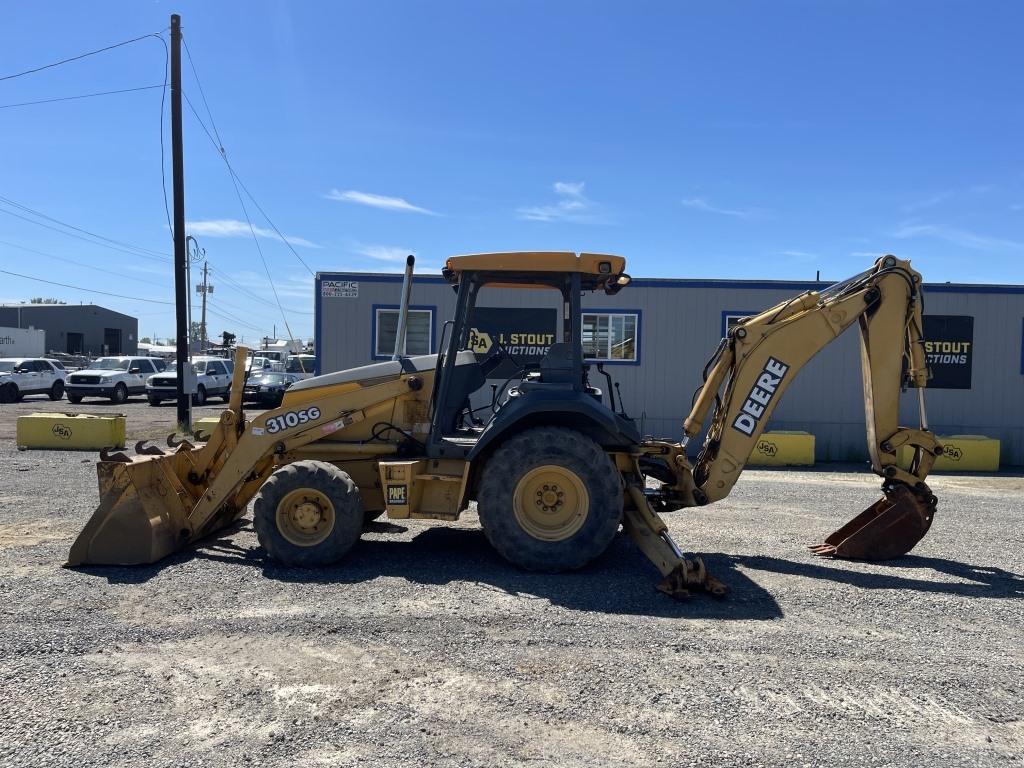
point(77, 329)
point(655, 336)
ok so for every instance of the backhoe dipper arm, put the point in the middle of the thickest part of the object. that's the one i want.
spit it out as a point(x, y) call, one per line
point(762, 355)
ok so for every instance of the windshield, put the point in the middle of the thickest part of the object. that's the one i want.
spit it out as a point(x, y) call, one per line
point(272, 378)
point(109, 364)
point(6, 366)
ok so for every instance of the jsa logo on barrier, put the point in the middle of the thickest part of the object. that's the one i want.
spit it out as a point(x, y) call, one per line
point(760, 396)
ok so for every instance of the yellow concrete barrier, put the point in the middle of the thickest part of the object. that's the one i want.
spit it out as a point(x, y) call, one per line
point(204, 427)
point(960, 453)
point(783, 449)
point(71, 431)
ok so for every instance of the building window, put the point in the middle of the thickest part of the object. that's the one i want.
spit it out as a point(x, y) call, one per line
point(611, 336)
point(418, 333)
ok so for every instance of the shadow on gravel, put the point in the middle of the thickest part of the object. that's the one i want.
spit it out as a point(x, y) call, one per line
point(983, 581)
point(620, 582)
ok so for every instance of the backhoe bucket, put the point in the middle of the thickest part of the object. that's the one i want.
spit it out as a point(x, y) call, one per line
point(889, 528)
point(142, 516)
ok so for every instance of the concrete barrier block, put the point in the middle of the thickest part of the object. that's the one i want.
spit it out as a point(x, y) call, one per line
point(783, 449)
point(204, 427)
point(960, 453)
point(71, 431)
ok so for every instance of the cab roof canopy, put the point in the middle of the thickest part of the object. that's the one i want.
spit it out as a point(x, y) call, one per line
point(540, 269)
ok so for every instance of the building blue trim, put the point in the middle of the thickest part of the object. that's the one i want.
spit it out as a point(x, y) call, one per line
point(639, 332)
point(672, 282)
point(727, 313)
point(316, 325)
point(373, 326)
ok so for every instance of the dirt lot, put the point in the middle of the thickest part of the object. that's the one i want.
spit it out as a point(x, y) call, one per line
point(424, 648)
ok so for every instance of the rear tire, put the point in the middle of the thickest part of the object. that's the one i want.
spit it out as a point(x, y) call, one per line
point(308, 514)
point(550, 499)
point(74, 399)
point(120, 394)
point(57, 390)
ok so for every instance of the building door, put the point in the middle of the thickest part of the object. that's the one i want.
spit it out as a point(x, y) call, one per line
point(112, 341)
point(76, 343)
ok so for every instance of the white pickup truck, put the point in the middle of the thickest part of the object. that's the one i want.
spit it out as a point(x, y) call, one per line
point(114, 378)
point(213, 379)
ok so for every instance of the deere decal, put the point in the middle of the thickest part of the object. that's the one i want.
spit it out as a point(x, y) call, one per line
point(525, 334)
point(949, 349)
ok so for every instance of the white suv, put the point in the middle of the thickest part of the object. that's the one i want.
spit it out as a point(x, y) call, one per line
point(20, 376)
point(113, 377)
point(213, 378)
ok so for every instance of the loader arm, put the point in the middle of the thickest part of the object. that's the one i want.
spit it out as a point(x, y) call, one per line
point(152, 505)
point(761, 356)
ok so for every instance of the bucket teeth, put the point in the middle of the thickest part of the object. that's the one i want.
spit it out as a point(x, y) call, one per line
point(147, 450)
point(889, 528)
point(105, 455)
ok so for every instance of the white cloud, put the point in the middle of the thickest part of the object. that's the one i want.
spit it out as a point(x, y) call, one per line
point(962, 237)
point(573, 205)
point(236, 228)
point(929, 202)
point(395, 253)
point(701, 204)
point(798, 254)
point(377, 201)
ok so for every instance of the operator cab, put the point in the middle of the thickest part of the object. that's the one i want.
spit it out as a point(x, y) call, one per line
point(556, 390)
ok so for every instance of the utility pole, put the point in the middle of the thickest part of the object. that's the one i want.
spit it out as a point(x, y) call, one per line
point(180, 249)
point(204, 288)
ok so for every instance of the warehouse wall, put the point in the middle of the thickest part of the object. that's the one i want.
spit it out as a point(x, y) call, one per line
point(682, 322)
point(89, 320)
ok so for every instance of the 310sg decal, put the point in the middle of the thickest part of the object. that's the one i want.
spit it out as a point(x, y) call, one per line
point(292, 419)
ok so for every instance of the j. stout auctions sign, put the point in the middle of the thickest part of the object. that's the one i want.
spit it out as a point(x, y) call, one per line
point(525, 334)
point(949, 349)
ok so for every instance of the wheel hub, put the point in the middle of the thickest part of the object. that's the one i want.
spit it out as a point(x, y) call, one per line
point(551, 502)
point(305, 517)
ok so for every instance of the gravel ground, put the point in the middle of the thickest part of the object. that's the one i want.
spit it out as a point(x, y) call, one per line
point(424, 648)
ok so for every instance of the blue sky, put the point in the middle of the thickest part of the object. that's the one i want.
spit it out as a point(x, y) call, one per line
point(754, 140)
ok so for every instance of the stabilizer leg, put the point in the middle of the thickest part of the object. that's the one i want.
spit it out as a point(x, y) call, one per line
point(649, 532)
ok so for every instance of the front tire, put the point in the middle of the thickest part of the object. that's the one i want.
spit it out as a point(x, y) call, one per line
point(9, 393)
point(308, 514)
point(199, 398)
point(153, 400)
point(74, 399)
point(57, 390)
point(550, 499)
point(120, 394)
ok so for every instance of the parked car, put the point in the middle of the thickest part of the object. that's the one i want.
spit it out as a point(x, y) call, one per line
point(267, 389)
point(20, 376)
point(114, 378)
point(302, 366)
point(213, 379)
point(255, 365)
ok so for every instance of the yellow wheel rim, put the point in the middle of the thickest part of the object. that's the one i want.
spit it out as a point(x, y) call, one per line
point(551, 503)
point(305, 517)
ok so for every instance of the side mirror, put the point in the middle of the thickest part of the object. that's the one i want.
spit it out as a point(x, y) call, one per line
point(136, 369)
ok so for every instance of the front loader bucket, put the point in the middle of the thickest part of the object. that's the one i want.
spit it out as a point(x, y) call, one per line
point(142, 516)
point(889, 528)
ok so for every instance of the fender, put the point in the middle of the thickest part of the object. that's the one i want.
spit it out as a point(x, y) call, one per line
point(561, 407)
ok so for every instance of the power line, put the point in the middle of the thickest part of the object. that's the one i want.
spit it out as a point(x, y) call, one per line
point(80, 96)
point(82, 264)
point(85, 290)
point(117, 245)
point(231, 319)
point(163, 153)
point(219, 146)
point(242, 289)
point(79, 56)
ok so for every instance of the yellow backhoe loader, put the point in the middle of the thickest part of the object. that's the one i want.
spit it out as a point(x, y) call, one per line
point(554, 470)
